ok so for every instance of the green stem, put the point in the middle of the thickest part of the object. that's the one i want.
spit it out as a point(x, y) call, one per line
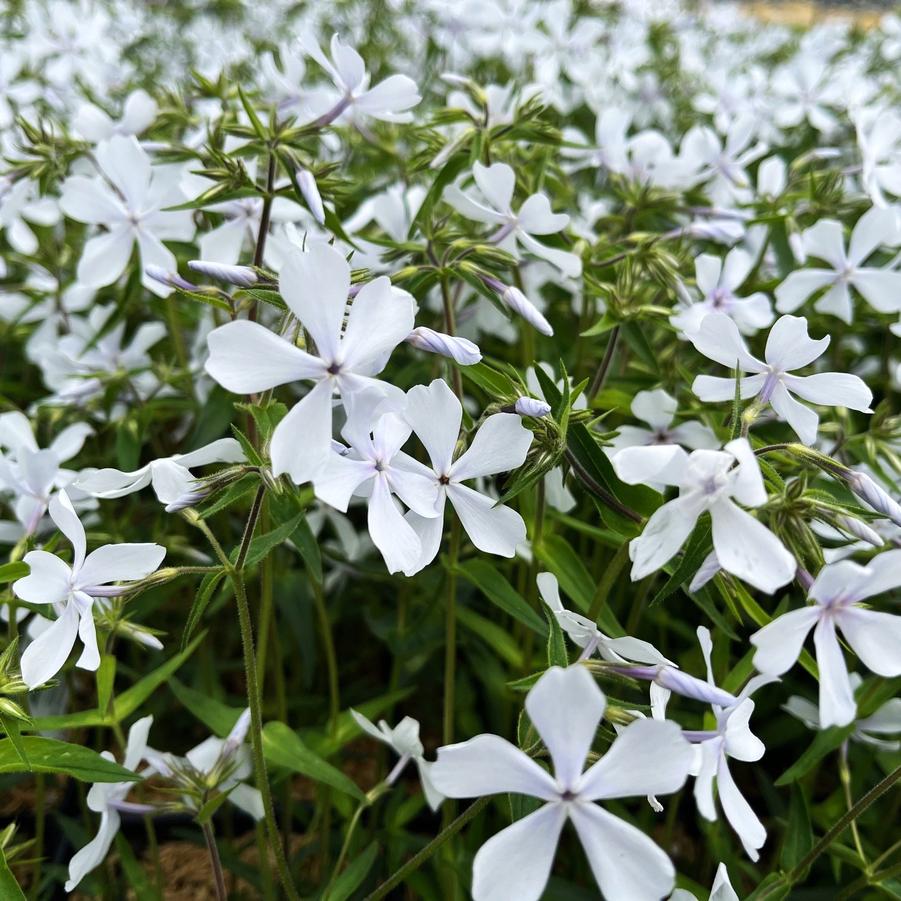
point(215, 861)
point(845, 777)
point(607, 579)
point(842, 824)
point(418, 859)
point(371, 797)
point(601, 375)
point(331, 660)
point(450, 328)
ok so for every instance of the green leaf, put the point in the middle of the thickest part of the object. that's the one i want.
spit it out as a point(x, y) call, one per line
point(252, 115)
point(448, 173)
point(106, 676)
point(494, 383)
point(349, 881)
point(9, 888)
point(262, 545)
point(206, 813)
point(138, 880)
point(283, 747)
point(774, 888)
point(219, 718)
point(306, 543)
point(492, 583)
point(798, 832)
point(47, 755)
point(9, 572)
point(826, 741)
point(201, 601)
point(556, 643)
point(492, 634)
point(13, 730)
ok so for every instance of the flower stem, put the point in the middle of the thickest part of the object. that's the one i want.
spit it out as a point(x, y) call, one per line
point(601, 375)
point(418, 859)
point(843, 822)
point(606, 581)
point(213, 849)
point(331, 660)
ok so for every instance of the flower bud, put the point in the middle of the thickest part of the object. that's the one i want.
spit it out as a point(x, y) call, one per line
point(170, 279)
point(519, 303)
point(859, 529)
point(311, 195)
point(530, 406)
point(242, 276)
point(873, 495)
point(461, 350)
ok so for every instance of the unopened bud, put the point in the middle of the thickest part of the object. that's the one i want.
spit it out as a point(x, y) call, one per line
point(188, 499)
point(859, 529)
point(681, 683)
point(170, 279)
point(519, 303)
point(871, 493)
point(461, 350)
point(311, 195)
point(530, 406)
point(242, 276)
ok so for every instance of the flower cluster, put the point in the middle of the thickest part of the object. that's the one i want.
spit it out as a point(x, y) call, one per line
point(483, 361)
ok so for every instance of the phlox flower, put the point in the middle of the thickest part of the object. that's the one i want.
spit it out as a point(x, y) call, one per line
point(881, 288)
point(72, 589)
point(788, 347)
point(500, 445)
point(170, 476)
point(369, 467)
point(566, 706)
point(711, 481)
point(732, 738)
point(534, 217)
point(247, 358)
point(129, 199)
point(20, 208)
point(403, 739)
point(108, 799)
point(585, 634)
point(875, 637)
point(658, 410)
point(390, 100)
point(95, 125)
point(33, 474)
point(721, 890)
point(718, 282)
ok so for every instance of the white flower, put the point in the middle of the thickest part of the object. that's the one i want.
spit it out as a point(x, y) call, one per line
point(403, 739)
point(170, 476)
point(731, 738)
point(788, 347)
point(500, 445)
point(648, 757)
point(879, 140)
point(874, 636)
point(129, 202)
point(708, 480)
point(881, 288)
point(21, 205)
point(108, 799)
point(658, 409)
point(369, 466)
point(30, 473)
point(718, 281)
point(534, 217)
point(71, 590)
point(247, 358)
point(720, 891)
point(802, 89)
point(221, 763)
point(886, 719)
point(584, 633)
point(94, 125)
point(389, 100)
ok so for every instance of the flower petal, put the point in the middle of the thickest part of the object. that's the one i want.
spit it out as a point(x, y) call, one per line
point(63, 514)
point(837, 706)
point(119, 563)
point(500, 445)
point(719, 339)
point(490, 765)
point(517, 861)
point(47, 654)
point(565, 706)
point(315, 284)
point(247, 358)
point(738, 812)
point(874, 636)
point(390, 532)
point(48, 581)
point(94, 852)
point(301, 442)
point(803, 420)
point(779, 642)
point(648, 757)
point(380, 317)
point(746, 548)
point(831, 389)
point(789, 347)
point(105, 257)
point(491, 528)
point(663, 535)
point(624, 861)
